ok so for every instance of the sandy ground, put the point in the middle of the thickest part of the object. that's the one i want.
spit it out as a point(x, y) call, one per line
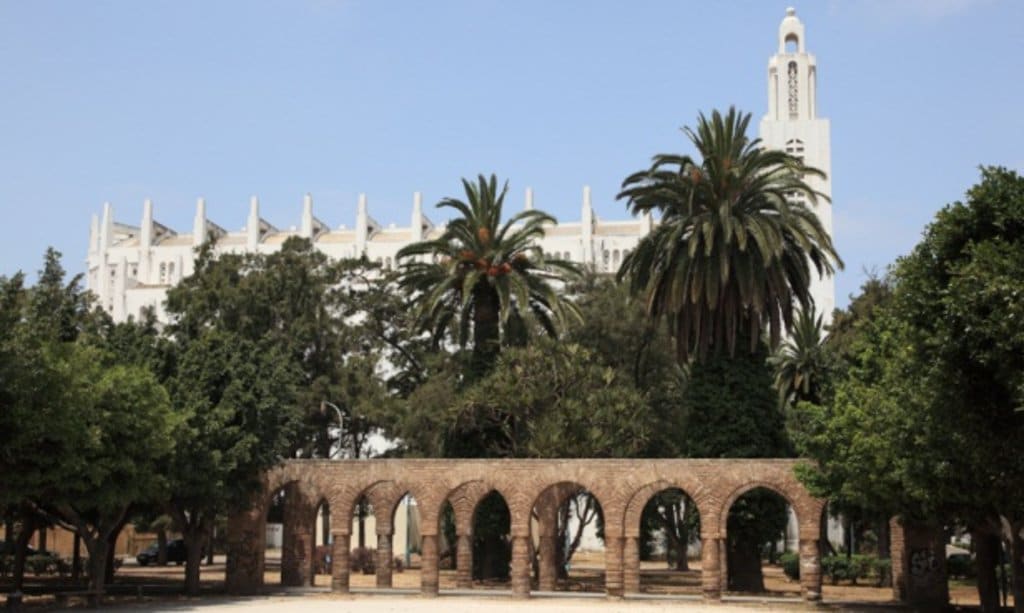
point(582, 592)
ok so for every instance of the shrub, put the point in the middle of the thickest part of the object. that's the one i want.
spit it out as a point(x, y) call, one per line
point(790, 565)
point(363, 560)
point(398, 564)
point(960, 565)
point(882, 568)
point(41, 565)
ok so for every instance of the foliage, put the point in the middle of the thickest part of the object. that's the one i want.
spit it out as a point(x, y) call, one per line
point(802, 363)
point(544, 400)
point(790, 563)
point(733, 250)
point(484, 280)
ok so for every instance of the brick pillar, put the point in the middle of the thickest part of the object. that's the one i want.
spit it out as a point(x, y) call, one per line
point(923, 566)
point(810, 569)
point(340, 564)
point(384, 559)
point(613, 565)
point(297, 540)
point(429, 575)
point(723, 563)
point(897, 549)
point(710, 568)
point(246, 545)
point(464, 561)
point(548, 564)
point(521, 566)
point(631, 565)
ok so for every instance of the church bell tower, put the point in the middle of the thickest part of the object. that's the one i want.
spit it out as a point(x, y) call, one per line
point(792, 124)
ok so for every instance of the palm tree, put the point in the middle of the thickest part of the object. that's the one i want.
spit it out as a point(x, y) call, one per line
point(800, 363)
point(484, 280)
point(733, 250)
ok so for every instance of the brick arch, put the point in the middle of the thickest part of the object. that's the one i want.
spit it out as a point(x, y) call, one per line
point(777, 487)
point(701, 496)
point(552, 497)
point(464, 499)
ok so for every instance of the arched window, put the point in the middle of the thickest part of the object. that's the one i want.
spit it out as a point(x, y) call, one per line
point(170, 272)
point(163, 273)
point(607, 258)
point(615, 258)
point(566, 256)
point(792, 43)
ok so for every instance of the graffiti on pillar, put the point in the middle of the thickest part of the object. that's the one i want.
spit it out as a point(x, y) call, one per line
point(923, 562)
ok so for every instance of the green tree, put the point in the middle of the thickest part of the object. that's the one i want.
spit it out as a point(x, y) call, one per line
point(736, 241)
point(926, 422)
point(484, 280)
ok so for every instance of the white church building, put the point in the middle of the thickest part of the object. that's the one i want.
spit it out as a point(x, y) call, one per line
point(131, 267)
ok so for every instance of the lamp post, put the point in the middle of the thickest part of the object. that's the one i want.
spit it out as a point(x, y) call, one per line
point(341, 418)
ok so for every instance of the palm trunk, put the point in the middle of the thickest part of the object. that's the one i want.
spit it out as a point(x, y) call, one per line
point(486, 332)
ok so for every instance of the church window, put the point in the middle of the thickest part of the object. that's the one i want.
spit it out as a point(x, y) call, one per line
point(163, 273)
point(607, 258)
point(566, 256)
point(134, 271)
point(170, 272)
point(792, 88)
point(615, 258)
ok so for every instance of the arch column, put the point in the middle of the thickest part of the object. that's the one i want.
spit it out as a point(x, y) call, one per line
point(521, 566)
point(810, 569)
point(547, 545)
point(464, 561)
point(631, 565)
point(385, 557)
point(429, 575)
point(711, 575)
point(340, 562)
point(613, 546)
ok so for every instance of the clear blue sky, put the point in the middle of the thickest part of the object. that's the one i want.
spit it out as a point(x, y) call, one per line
point(123, 100)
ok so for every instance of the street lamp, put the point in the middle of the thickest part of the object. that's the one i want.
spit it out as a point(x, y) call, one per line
point(341, 418)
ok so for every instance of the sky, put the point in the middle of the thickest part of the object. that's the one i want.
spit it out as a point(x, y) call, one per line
point(123, 100)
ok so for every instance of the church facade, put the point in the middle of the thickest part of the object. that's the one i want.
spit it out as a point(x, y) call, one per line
point(131, 267)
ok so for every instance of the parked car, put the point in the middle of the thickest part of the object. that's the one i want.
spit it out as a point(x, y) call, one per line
point(175, 553)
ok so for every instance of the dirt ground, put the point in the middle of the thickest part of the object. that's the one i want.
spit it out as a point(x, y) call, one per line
point(585, 577)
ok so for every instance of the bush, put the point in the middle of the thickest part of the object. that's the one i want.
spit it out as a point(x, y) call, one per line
point(363, 560)
point(960, 565)
point(882, 569)
point(41, 565)
point(790, 565)
point(398, 564)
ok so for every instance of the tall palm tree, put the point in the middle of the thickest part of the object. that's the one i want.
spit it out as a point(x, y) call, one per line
point(482, 279)
point(801, 362)
point(733, 250)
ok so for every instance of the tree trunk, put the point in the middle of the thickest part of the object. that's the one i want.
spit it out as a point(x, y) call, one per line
point(884, 549)
point(21, 548)
point(1017, 565)
point(209, 545)
point(195, 534)
point(112, 545)
point(193, 562)
point(97, 548)
point(744, 566)
point(76, 558)
point(161, 547)
point(987, 547)
point(41, 545)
